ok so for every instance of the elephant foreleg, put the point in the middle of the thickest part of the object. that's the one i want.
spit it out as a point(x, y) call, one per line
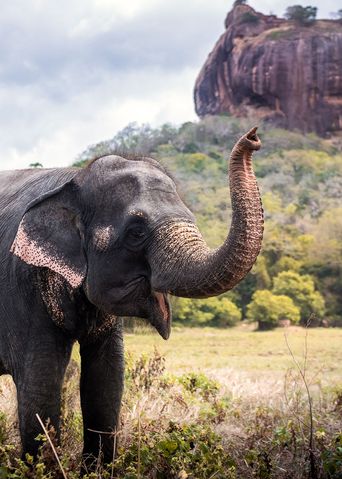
point(102, 370)
point(39, 383)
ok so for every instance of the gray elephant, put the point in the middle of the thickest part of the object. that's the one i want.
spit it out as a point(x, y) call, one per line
point(80, 247)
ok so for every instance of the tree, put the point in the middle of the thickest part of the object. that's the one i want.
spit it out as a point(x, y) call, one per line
point(263, 280)
point(337, 15)
point(239, 2)
point(268, 309)
point(287, 263)
point(35, 165)
point(301, 289)
point(217, 311)
point(301, 15)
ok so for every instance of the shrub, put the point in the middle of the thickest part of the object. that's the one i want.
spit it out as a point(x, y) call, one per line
point(201, 384)
point(182, 451)
point(248, 17)
point(301, 289)
point(209, 312)
point(301, 15)
point(268, 309)
point(145, 372)
point(287, 263)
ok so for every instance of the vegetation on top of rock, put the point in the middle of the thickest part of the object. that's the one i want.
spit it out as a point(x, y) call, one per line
point(300, 14)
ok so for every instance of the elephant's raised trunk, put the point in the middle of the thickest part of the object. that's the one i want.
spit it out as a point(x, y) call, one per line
point(182, 261)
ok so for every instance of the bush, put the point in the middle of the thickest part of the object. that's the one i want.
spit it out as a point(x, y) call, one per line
point(301, 289)
point(209, 312)
point(301, 15)
point(182, 451)
point(268, 309)
point(201, 384)
point(248, 17)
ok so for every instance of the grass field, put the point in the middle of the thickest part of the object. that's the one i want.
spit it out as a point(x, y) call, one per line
point(244, 349)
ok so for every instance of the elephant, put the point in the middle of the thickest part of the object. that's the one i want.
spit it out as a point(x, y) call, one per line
point(81, 248)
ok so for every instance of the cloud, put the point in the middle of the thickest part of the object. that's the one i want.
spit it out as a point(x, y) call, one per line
point(75, 72)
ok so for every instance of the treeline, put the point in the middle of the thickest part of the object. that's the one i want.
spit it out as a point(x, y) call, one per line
point(298, 276)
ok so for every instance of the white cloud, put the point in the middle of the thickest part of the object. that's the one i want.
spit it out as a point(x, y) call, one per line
point(92, 116)
point(75, 72)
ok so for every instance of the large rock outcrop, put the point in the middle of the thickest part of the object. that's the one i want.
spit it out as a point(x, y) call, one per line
point(276, 70)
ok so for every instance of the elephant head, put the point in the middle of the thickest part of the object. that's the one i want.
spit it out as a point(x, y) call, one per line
point(119, 231)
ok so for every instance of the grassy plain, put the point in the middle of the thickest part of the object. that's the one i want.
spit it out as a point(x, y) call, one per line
point(243, 349)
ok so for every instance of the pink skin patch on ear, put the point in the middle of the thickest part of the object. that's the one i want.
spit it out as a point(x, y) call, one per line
point(102, 236)
point(136, 213)
point(32, 253)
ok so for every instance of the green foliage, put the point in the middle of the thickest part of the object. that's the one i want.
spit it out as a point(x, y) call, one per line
point(35, 165)
point(268, 309)
point(183, 451)
point(200, 384)
point(301, 180)
point(249, 17)
point(216, 311)
point(142, 374)
point(279, 33)
point(263, 280)
point(302, 15)
point(3, 428)
point(332, 458)
point(287, 263)
point(301, 289)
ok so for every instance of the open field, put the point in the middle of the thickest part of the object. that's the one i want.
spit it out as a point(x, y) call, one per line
point(229, 404)
point(244, 349)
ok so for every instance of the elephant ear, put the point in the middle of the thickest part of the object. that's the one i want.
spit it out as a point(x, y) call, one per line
point(48, 235)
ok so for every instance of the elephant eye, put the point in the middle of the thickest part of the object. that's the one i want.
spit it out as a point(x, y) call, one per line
point(136, 235)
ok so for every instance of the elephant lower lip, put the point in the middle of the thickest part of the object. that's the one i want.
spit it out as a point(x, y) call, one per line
point(161, 316)
point(162, 301)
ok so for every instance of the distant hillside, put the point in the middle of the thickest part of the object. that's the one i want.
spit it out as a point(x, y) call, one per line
point(301, 184)
point(288, 73)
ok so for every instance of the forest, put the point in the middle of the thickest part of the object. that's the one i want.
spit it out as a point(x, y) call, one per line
point(298, 276)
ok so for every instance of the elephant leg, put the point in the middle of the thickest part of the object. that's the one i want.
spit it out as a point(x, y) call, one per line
point(102, 375)
point(39, 384)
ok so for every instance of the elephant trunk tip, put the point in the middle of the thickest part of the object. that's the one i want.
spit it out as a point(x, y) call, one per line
point(250, 140)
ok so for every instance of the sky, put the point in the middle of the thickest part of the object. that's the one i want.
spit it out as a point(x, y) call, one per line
point(75, 72)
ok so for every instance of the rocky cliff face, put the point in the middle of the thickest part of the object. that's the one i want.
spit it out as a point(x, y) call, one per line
point(288, 74)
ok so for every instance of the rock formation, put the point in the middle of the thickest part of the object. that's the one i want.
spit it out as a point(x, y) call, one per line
point(276, 70)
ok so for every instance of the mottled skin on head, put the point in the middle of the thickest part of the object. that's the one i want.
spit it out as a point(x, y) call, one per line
point(79, 248)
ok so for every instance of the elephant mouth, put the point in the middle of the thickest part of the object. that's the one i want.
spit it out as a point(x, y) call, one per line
point(138, 299)
point(161, 317)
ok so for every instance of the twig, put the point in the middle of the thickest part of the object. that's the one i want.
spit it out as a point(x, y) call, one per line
point(52, 446)
point(302, 374)
point(113, 457)
point(139, 442)
point(306, 341)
